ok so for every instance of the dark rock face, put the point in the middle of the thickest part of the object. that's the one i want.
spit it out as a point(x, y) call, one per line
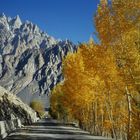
point(30, 60)
point(12, 107)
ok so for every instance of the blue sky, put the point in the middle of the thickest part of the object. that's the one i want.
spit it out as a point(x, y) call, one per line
point(71, 19)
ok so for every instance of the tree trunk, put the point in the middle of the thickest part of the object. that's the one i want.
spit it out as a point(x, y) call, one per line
point(129, 114)
point(109, 110)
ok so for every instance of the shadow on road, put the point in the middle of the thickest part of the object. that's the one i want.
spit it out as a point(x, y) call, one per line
point(48, 129)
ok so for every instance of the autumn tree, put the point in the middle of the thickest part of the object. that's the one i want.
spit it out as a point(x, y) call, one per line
point(101, 82)
point(91, 89)
point(117, 25)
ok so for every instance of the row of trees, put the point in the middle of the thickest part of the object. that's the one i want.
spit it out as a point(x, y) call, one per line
point(102, 81)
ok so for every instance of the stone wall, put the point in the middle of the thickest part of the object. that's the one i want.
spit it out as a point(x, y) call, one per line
point(6, 127)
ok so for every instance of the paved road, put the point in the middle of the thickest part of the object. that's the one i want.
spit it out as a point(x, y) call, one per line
point(49, 129)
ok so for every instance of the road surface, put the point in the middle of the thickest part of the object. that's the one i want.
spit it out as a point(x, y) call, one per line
point(49, 129)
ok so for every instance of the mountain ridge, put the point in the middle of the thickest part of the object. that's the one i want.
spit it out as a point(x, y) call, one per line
point(30, 59)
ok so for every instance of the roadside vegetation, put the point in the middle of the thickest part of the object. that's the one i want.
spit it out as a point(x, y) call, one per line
point(101, 89)
point(38, 107)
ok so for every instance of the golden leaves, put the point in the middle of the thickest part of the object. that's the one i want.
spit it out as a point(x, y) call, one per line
point(97, 76)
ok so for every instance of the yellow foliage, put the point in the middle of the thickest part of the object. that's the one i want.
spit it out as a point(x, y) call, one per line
point(38, 107)
point(101, 86)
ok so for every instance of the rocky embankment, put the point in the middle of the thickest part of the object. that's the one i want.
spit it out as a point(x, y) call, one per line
point(13, 113)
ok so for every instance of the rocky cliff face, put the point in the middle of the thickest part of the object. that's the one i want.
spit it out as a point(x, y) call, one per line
point(30, 60)
point(12, 107)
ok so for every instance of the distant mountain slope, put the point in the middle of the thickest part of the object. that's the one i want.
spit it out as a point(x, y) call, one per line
point(30, 60)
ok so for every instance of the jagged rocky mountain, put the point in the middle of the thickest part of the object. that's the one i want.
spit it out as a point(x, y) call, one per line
point(30, 59)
